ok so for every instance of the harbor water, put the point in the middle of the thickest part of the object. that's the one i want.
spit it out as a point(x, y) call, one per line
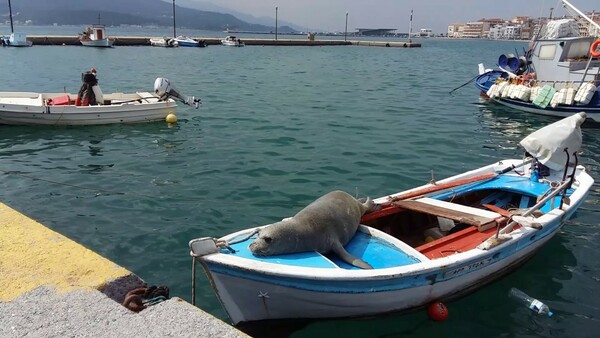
point(279, 127)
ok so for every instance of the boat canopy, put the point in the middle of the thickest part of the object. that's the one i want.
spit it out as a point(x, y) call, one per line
point(549, 143)
point(563, 28)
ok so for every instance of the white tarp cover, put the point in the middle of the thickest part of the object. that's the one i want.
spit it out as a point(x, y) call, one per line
point(548, 144)
point(563, 28)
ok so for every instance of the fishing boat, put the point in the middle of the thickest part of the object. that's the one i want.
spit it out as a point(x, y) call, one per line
point(95, 36)
point(29, 108)
point(432, 243)
point(232, 41)
point(558, 75)
point(15, 39)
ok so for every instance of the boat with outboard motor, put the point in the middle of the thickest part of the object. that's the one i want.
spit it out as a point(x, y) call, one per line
point(432, 243)
point(558, 75)
point(232, 41)
point(28, 108)
point(164, 42)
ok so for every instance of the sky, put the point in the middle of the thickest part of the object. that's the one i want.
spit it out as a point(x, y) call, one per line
point(330, 15)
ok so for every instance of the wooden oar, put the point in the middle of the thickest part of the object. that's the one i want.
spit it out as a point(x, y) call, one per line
point(389, 208)
point(538, 205)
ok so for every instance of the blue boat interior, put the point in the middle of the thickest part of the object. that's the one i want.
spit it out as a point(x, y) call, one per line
point(505, 189)
point(438, 232)
point(414, 227)
point(378, 252)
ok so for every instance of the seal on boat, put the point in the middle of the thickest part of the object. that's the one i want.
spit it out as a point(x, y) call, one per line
point(326, 225)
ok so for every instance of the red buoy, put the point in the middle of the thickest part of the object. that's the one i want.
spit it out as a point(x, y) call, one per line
point(437, 311)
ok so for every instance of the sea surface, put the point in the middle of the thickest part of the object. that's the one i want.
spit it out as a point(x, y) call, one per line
point(279, 127)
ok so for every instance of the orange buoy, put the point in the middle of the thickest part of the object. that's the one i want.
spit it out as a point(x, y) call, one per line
point(437, 311)
point(594, 47)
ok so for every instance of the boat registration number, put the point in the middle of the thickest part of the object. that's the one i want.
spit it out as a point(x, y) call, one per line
point(467, 268)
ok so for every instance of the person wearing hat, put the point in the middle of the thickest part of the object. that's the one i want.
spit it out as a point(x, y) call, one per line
point(89, 93)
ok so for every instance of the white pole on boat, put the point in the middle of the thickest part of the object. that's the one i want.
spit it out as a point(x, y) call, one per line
point(410, 27)
point(11, 21)
point(346, 30)
point(568, 4)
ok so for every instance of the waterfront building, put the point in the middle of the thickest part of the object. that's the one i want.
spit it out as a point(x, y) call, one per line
point(425, 33)
point(456, 30)
point(518, 28)
point(474, 30)
point(505, 32)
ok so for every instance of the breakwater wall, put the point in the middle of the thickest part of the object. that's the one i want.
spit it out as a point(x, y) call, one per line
point(56, 40)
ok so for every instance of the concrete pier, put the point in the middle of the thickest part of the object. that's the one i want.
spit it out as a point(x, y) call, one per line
point(54, 287)
point(50, 40)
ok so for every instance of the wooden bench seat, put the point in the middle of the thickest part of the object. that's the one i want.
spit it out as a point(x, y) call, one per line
point(482, 219)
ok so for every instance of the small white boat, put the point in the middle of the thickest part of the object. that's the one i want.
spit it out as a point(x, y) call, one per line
point(95, 36)
point(232, 41)
point(15, 39)
point(185, 41)
point(27, 108)
point(164, 42)
point(432, 243)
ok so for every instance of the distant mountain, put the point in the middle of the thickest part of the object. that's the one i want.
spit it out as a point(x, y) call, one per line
point(263, 20)
point(128, 12)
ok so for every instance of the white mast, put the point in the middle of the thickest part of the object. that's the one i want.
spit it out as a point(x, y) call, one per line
point(410, 27)
point(11, 21)
point(568, 4)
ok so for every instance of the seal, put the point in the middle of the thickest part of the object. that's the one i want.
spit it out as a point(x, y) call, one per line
point(326, 225)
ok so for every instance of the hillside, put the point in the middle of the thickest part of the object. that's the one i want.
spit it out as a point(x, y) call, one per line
point(129, 12)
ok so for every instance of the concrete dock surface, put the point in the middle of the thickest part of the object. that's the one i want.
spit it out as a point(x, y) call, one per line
point(54, 287)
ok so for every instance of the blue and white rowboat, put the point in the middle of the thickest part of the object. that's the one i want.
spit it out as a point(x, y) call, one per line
point(434, 242)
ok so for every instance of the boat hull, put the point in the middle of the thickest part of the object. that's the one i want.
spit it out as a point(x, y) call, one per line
point(187, 42)
point(246, 299)
point(484, 81)
point(163, 42)
point(16, 112)
point(104, 43)
point(232, 44)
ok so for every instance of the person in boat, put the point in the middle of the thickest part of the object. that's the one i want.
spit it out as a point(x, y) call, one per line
point(90, 93)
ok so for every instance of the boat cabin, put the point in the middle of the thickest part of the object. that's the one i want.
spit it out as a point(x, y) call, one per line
point(95, 32)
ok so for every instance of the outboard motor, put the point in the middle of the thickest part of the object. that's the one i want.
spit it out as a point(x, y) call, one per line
point(164, 89)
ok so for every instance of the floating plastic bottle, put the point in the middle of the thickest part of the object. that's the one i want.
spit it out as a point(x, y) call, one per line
point(534, 304)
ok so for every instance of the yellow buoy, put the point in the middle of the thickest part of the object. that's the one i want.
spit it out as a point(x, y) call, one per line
point(171, 118)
